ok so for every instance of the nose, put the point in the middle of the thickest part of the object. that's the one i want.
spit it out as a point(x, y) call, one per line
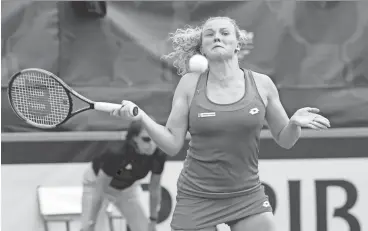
point(216, 38)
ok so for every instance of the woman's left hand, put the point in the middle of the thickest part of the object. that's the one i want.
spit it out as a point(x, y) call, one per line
point(308, 117)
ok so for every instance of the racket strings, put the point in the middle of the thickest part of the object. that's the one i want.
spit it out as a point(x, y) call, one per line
point(39, 98)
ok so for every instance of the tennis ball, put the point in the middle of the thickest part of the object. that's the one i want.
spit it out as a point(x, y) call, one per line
point(198, 63)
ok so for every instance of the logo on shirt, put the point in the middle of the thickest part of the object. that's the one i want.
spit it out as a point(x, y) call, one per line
point(128, 167)
point(253, 111)
point(206, 114)
point(266, 204)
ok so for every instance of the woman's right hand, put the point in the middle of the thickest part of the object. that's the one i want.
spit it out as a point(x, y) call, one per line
point(126, 111)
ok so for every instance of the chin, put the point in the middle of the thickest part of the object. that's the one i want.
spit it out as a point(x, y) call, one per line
point(219, 57)
point(148, 152)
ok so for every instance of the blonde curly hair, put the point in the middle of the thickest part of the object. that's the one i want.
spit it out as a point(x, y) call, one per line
point(187, 42)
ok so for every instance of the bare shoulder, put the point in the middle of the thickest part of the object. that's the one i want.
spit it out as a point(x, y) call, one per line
point(189, 81)
point(187, 85)
point(265, 83)
point(262, 79)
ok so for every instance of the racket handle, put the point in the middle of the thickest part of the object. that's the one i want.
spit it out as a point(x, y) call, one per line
point(109, 107)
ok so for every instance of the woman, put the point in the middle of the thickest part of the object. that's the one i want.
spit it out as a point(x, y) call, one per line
point(114, 176)
point(223, 109)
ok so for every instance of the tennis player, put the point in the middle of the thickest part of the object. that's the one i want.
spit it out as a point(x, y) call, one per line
point(114, 176)
point(223, 109)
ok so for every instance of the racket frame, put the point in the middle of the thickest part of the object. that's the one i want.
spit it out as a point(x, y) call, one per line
point(67, 89)
point(102, 106)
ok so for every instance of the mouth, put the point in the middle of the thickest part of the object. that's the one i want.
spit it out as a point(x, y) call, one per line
point(217, 46)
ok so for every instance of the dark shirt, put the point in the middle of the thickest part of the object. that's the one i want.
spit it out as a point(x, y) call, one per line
point(128, 167)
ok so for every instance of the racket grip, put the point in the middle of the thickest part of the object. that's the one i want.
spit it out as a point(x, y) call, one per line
point(109, 107)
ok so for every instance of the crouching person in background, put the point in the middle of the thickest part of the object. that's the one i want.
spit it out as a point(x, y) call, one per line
point(114, 175)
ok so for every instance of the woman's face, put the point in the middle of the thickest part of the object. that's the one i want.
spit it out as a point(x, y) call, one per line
point(219, 40)
point(144, 143)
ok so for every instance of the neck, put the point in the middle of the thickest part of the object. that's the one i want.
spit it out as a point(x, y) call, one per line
point(224, 71)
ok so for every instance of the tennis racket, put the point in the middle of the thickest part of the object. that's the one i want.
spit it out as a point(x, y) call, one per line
point(43, 100)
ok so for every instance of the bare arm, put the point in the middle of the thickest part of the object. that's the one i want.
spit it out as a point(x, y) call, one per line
point(170, 138)
point(102, 182)
point(155, 195)
point(284, 131)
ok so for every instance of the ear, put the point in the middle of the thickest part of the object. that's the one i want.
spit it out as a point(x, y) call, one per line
point(239, 46)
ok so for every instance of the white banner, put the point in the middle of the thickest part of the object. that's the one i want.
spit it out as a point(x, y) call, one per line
point(293, 186)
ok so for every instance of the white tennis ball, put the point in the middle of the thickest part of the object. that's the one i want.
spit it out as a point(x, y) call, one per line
point(198, 63)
